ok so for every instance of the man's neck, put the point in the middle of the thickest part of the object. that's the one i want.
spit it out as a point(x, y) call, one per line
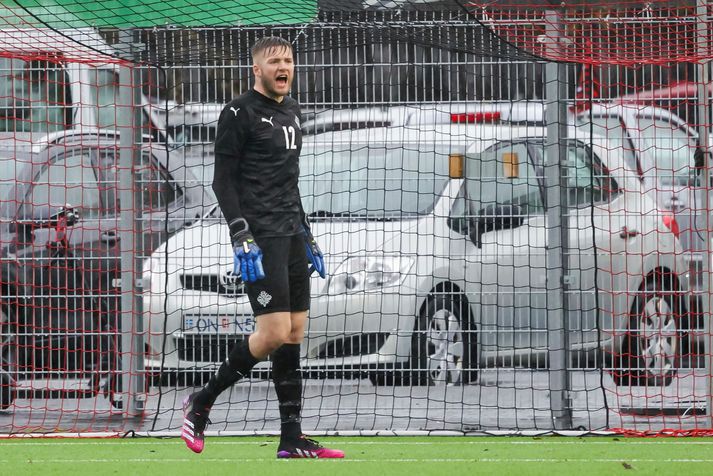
point(262, 91)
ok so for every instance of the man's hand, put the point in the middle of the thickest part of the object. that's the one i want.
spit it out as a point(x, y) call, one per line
point(247, 258)
point(314, 254)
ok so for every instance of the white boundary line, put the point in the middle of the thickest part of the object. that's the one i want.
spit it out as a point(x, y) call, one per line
point(453, 442)
point(369, 460)
point(171, 434)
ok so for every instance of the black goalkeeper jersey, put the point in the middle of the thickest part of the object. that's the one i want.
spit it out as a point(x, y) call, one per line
point(257, 149)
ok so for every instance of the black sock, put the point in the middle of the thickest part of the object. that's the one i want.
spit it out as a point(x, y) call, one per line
point(236, 366)
point(287, 377)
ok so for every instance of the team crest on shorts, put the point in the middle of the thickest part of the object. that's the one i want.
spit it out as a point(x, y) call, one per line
point(264, 298)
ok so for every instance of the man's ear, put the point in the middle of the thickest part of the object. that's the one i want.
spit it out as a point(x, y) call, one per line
point(256, 68)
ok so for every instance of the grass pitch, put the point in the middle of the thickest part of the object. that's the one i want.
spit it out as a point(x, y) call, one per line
point(370, 456)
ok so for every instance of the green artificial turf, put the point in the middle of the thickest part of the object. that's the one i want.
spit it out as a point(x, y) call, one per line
point(370, 456)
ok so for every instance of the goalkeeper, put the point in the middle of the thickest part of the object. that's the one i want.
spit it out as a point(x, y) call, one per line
point(257, 151)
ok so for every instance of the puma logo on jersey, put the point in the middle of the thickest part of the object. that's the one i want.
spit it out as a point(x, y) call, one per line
point(269, 121)
point(235, 111)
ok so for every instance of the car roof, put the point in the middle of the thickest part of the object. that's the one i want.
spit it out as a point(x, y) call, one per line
point(620, 108)
point(518, 112)
point(38, 141)
point(95, 141)
point(458, 135)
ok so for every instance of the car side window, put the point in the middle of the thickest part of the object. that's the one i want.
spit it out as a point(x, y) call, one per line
point(670, 148)
point(612, 127)
point(70, 179)
point(588, 180)
point(158, 189)
point(501, 175)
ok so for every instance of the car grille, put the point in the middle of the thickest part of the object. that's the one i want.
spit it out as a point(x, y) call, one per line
point(349, 346)
point(212, 283)
point(206, 348)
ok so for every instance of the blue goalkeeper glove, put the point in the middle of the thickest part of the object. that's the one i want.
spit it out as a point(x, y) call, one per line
point(314, 254)
point(247, 259)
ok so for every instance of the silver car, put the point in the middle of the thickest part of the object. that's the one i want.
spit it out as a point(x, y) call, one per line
point(434, 240)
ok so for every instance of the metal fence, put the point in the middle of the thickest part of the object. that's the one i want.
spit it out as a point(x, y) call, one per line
point(540, 248)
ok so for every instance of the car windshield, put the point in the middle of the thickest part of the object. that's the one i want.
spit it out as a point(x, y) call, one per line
point(369, 181)
point(611, 128)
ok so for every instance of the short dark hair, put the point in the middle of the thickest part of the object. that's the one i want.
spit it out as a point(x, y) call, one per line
point(269, 42)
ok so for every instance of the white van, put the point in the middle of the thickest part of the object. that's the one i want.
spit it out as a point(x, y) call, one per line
point(57, 80)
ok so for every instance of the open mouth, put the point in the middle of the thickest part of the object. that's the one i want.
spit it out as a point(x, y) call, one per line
point(281, 80)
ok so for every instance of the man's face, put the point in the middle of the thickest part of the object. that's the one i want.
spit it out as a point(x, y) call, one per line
point(274, 70)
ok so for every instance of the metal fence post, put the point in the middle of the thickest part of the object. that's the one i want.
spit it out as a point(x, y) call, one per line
point(129, 112)
point(557, 231)
point(703, 77)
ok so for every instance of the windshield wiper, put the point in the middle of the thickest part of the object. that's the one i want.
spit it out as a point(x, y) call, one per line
point(357, 216)
point(379, 217)
point(328, 214)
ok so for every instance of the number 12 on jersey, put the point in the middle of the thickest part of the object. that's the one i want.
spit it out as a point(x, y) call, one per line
point(289, 137)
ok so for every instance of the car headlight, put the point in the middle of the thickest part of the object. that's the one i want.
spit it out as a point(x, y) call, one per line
point(369, 273)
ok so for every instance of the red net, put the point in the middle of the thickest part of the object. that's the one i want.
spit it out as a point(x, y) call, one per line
point(627, 33)
point(118, 289)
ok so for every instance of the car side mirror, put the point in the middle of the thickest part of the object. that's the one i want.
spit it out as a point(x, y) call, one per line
point(495, 217)
point(66, 213)
point(43, 217)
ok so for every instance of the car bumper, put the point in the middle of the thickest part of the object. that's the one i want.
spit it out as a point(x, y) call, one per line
point(347, 332)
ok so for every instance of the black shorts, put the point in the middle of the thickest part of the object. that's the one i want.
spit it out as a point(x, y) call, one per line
point(285, 287)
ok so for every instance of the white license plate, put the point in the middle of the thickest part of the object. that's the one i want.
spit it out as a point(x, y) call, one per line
point(217, 324)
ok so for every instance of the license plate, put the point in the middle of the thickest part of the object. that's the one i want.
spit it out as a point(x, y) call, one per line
point(216, 324)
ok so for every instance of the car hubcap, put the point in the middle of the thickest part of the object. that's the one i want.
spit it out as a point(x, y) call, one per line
point(445, 348)
point(658, 337)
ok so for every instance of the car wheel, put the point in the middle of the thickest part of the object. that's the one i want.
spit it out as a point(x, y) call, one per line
point(8, 360)
point(651, 349)
point(444, 350)
point(443, 347)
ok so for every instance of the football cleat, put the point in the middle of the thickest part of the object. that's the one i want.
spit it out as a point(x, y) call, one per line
point(194, 423)
point(304, 447)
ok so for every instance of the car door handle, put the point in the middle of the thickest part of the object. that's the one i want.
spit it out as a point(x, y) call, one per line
point(109, 237)
point(626, 232)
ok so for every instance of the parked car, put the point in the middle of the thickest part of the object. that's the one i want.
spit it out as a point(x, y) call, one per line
point(662, 147)
point(655, 142)
point(434, 271)
point(60, 239)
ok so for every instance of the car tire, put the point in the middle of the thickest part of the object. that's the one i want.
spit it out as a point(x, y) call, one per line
point(650, 352)
point(443, 347)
